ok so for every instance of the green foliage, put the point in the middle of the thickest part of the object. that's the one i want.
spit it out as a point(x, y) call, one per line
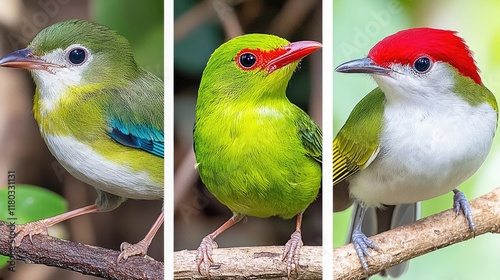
point(141, 23)
point(32, 203)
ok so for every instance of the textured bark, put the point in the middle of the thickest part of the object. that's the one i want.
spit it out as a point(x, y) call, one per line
point(79, 257)
point(249, 263)
point(424, 236)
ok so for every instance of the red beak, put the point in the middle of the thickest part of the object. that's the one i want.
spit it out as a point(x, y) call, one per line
point(292, 52)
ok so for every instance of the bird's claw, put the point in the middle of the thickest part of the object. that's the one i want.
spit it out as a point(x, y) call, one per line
point(204, 255)
point(128, 250)
point(460, 203)
point(362, 244)
point(30, 229)
point(291, 252)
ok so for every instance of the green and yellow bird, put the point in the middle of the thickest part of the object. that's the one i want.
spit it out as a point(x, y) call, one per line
point(257, 153)
point(101, 116)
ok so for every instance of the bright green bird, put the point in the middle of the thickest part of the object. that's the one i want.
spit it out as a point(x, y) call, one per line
point(256, 152)
point(100, 115)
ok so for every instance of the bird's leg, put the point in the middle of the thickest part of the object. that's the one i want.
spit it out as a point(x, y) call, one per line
point(40, 227)
point(140, 248)
point(361, 242)
point(291, 252)
point(460, 202)
point(208, 243)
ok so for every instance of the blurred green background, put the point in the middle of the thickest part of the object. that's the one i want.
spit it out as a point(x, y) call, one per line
point(358, 25)
point(22, 149)
point(199, 28)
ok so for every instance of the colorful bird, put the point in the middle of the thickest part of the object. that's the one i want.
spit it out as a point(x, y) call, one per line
point(101, 116)
point(426, 129)
point(256, 152)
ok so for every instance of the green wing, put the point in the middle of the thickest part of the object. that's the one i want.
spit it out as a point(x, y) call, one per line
point(311, 136)
point(356, 144)
point(135, 116)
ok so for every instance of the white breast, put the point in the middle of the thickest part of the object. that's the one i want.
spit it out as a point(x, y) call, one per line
point(86, 165)
point(432, 141)
point(425, 155)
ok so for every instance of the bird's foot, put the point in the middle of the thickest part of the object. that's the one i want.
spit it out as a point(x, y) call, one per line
point(204, 255)
point(460, 203)
point(128, 250)
point(29, 229)
point(362, 244)
point(291, 252)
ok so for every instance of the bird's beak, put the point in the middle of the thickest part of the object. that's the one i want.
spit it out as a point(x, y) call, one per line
point(290, 53)
point(364, 65)
point(25, 59)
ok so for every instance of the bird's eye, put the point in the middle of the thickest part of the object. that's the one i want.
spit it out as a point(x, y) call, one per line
point(247, 60)
point(77, 56)
point(422, 64)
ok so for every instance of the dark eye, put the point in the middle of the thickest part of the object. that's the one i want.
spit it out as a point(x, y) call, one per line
point(77, 56)
point(247, 60)
point(422, 64)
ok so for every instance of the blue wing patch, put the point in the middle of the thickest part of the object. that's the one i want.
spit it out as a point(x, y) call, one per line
point(140, 137)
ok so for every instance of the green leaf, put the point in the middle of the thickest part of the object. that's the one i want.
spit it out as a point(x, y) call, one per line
point(27, 203)
point(32, 203)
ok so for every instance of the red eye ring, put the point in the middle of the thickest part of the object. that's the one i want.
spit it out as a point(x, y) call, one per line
point(248, 59)
point(251, 59)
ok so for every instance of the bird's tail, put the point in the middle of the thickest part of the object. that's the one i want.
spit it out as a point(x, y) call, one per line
point(379, 220)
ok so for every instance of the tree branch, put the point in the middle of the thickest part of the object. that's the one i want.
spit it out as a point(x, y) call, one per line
point(424, 236)
point(79, 257)
point(249, 263)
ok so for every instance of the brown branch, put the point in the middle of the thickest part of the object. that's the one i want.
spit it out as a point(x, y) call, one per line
point(79, 257)
point(249, 263)
point(196, 16)
point(424, 236)
point(293, 14)
point(228, 18)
